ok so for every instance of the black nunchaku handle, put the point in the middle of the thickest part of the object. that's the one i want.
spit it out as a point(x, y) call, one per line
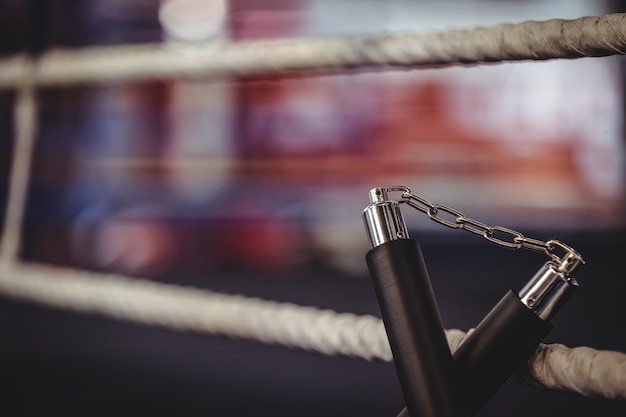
point(421, 355)
point(498, 346)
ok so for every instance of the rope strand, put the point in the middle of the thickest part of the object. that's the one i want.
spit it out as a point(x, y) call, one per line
point(583, 370)
point(551, 39)
point(25, 123)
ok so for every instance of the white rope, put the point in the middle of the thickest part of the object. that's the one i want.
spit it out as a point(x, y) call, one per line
point(583, 370)
point(24, 120)
point(189, 309)
point(587, 371)
point(557, 38)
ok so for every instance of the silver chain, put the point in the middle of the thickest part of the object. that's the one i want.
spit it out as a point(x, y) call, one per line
point(499, 235)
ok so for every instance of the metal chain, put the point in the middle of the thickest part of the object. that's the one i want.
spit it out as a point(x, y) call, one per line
point(499, 235)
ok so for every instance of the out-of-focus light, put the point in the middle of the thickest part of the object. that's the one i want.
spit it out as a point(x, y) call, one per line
point(136, 246)
point(192, 20)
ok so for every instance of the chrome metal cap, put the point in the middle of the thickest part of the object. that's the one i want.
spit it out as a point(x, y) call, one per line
point(548, 290)
point(383, 219)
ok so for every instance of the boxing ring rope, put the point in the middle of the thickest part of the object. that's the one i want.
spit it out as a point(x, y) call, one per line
point(583, 370)
point(557, 38)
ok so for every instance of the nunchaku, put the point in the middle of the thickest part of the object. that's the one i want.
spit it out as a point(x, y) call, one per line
point(435, 382)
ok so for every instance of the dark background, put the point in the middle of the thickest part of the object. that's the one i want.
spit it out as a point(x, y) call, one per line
point(54, 362)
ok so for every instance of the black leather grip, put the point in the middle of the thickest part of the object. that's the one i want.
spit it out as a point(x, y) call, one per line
point(499, 345)
point(420, 351)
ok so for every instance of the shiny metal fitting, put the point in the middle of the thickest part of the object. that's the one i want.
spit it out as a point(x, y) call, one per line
point(548, 290)
point(383, 219)
point(571, 262)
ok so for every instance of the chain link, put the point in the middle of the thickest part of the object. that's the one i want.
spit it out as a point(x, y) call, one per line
point(499, 235)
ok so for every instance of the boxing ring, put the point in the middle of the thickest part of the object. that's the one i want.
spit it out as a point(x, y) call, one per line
point(582, 370)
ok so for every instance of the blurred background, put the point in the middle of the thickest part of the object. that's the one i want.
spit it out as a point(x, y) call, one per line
point(255, 186)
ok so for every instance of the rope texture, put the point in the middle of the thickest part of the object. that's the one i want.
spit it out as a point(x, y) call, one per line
point(25, 124)
point(557, 38)
point(189, 309)
point(583, 370)
point(587, 371)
